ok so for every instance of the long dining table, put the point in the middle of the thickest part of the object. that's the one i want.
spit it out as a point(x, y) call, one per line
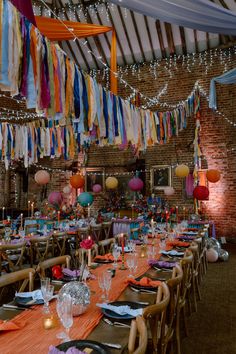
point(33, 338)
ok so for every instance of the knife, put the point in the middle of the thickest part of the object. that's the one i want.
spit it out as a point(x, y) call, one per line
point(143, 291)
point(14, 307)
point(112, 345)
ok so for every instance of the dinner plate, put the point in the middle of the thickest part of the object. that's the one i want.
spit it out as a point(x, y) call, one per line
point(103, 261)
point(27, 301)
point(112, 314)
point(97, 348)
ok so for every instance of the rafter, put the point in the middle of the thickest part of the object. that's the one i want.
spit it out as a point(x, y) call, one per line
point(126, 34)
point(137, 35)
point(160, 38)
point(169, 36)
point(196, 41)
point(149, 36)
point(183, 40)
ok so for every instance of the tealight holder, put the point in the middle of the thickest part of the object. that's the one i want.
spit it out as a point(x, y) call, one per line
point(49, 322)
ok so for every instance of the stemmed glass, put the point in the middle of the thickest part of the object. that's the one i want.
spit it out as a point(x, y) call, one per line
point(116, 254)
point(64, 311)
point(107, 284)
point(130, 265)
point(47, 293)
point(101, 284)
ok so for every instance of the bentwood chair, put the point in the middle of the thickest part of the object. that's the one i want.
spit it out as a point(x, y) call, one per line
point(12, 256)
point(195, 274)
point(49, 263)
point(59, 243)
point(106, 226)
point(16, 281)
point(40, 248)
point(155, 316)
point(96, 232)
point(138, 329)
point(105, 246)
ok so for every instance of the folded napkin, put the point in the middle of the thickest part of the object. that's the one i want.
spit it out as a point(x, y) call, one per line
point(36, 294)
point(71, 273)
point(177, 243)
point(161, 264)
point(126, 249)
point(145, 281)
point(122, 310)
point(11, 325)
point(72, 350)
point(190, 232)
point(172, 253)
point(186, 237)
point(106, 257)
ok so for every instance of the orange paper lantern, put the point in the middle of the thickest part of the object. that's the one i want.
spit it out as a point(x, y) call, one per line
point(213, 176)
point(77, 181)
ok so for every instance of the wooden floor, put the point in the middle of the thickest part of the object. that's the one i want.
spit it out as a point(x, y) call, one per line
point(212, 330)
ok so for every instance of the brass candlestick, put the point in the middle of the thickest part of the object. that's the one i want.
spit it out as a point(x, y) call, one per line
point(123, 267)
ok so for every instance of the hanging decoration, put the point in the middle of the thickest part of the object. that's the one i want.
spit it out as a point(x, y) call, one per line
point(136, 184)
point(85, 199)
point(77, 181)
point(111, 183)
point(201, 193)
point(182, 171)
point(213, 176)
point(42, 177)
point(168, 191)
point(55, 199)
point(97, 188)
point(67, 189)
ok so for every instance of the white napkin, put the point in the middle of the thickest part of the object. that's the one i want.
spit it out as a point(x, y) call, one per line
point(189, 233)
point(126, 249)
point(172, 253)
point(122, 310)
point(36, 294)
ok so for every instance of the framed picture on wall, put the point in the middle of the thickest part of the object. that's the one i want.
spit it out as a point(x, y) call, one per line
point(161, 177)
point(94, 176)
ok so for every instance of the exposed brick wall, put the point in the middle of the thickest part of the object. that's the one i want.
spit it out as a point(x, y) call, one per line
point(217, 137)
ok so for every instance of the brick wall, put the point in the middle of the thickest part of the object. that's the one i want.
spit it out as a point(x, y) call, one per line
point(217, 142)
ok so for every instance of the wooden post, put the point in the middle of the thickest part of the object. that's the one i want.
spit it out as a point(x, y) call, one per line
point(7, 187)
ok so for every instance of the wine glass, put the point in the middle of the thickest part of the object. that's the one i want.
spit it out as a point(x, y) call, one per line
point(135, 264)
point(45, 282)
point(116, 254)
point(101, 284)
point(107, 284)
point(130, 265)
point(64, 311)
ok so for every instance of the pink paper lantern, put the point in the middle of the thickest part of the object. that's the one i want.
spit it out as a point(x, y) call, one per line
point(55, 198)
point(42, 177)
point(97, 188)
point(67, 189)
point(169, 191)
point(135, 184)
point(211, 255)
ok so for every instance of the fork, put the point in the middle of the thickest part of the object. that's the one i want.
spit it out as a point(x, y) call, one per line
point(118, 324)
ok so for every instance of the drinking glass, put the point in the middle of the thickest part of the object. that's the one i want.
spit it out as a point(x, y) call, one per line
point(45, 282)
point(107, 284)
point(116, 254)
point(101, 284)
point(135, 264)
point(130, 265)
point(64, 311)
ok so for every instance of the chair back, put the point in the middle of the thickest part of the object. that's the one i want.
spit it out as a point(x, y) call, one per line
point(138, 329)
point(48, 263)
point(12, 255)
point(39, 248)
point(105, 246)
point(186, 264)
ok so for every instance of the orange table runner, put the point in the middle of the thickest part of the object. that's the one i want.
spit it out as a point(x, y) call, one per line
point(33, 338)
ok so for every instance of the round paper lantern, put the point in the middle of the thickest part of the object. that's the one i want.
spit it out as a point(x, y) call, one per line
point(211, 255)
point(182, 171)
point(42, 177)
point(97, 188)
point(201, 193)
point(135, 184)
point(169, 191)
point(111, 183)
point(213, 176)
point(77, 181)
point(67, 189)
point(55, 198)
point(85, 199)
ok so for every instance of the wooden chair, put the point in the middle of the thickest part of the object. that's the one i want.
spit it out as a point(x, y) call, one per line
point(43, 266)
point(59, 243)
point(16, 281)
point(106, 227)
point(185, 286)
point(174, 287)
point(40, 247)
point(138, 328)
point(96, 232)
point(105, 246)
point(195, 274)
point(155, 316)
point(12, 256)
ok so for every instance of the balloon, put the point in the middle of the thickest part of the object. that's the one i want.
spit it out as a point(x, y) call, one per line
point(201, 193)
point(67, 189)
point(211, 255)
point(182, 171)
point(213, 176)
point(55, 198)
point(111, 183)
point(135, 184)
point(42, 177)
point(223, 255)
point(213, 243)
point(85, 199)
point(169, 191)
point(77, 181)
point(97, 188)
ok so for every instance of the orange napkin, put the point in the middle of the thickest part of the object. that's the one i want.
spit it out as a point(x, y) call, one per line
point(11, 325)
point(145, 281)
point(178, 243)
point(107, 257)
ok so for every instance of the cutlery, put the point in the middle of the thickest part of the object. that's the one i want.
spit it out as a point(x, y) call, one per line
point(141, 302)
point(143, 291)
point(57, 282)
point(163, 269)
point(118, 324)
point(14, 307)
point(112, 345)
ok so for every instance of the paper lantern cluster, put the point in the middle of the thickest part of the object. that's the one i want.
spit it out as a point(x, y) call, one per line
point(182, 171)
point(77, 181)
point(135, 184)
point(42, 177)
point(85, 199)
point(201, 193)
point(111, 183)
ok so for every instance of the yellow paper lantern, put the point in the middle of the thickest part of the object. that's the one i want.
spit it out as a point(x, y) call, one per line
point(182, 171)
point(111, 183)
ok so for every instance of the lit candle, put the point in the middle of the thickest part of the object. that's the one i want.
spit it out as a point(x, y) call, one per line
point(152, 226)
point(89, 255)
point(3, 213)
point(184, 212)
point(58, 216)
point(177, 214)
point(32, 209)
point(88, 211)
point(21, 221)
point(29, 208)
point(122, 244)
point(49, 322)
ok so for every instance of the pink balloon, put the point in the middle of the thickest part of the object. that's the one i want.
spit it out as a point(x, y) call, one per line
point(55, 198)
point(97, 188)
point(42, 177)
point(135, 184)
point(211, 255)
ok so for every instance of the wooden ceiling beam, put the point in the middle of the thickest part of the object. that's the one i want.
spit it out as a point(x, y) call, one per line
point(126, 33)
point(208, 41)
point(160, 38)
point(170, 38)
point(183, 40)
point(137, 35)
point(149, 37)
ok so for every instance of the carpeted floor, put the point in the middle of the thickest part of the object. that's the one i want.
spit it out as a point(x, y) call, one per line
point(212, 330)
